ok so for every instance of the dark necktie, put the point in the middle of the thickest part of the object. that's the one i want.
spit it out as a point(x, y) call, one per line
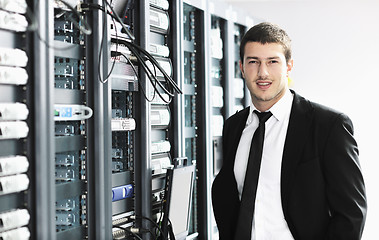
point(246, 211)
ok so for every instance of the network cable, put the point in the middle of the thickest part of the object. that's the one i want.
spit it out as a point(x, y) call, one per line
point(141, 55)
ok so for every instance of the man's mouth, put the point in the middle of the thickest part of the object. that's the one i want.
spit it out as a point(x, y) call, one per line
point(264, 84)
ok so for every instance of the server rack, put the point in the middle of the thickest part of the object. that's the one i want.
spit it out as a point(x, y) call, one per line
point(123, 84)
point(68, 67)
point(71, 114)
point(191, 103)
point(16, 123)
point(227, 27)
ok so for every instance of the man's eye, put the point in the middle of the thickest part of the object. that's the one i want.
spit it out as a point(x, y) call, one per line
point(274, 61)
point(253, 61)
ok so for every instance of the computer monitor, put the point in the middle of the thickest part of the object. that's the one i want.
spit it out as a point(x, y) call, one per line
point(180, 198)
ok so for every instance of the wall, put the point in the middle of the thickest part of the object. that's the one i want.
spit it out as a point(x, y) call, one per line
point(336, 50)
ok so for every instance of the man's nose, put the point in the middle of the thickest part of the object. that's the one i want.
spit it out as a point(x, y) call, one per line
point(263, 71)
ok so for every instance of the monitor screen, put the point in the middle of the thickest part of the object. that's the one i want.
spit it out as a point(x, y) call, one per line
point(180, 201)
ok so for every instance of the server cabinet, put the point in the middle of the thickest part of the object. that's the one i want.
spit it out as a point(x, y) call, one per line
point(227, 89)
point(71, 114)
point(193, 130)
point(124, 87)
point(16, 123)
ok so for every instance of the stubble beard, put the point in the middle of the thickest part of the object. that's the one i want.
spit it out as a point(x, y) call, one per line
point(272, 97)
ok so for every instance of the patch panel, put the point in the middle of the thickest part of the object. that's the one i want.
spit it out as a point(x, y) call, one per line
point(65, 83)
point(67, 159)
point(66, 129)
point(13, 165)
point(70, 167)
point(14, 219)
point(65, 67)
point(117, 153)
point(69, 73)
point(66, 174)
point(13, 75)
point(122, 151)
point(117, 166)
point(64, 220)
point(64, 29)
point(70, 204)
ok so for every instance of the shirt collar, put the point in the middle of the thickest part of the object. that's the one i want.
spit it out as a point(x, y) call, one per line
point(279, 110)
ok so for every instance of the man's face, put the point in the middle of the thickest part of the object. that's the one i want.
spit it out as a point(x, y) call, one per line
point(266, 73)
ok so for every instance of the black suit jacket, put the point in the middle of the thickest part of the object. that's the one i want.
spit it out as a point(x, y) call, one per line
point(322, 188)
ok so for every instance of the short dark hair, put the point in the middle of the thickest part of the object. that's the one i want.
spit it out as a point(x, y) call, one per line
point(266, 32)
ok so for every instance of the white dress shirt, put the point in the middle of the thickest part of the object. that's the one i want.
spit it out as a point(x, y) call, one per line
point(268, 221)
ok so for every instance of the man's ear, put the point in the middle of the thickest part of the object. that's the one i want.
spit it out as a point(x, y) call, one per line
point(241, 68)
point(289, 66)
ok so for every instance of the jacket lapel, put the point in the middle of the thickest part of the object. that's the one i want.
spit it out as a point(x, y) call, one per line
point(297, 133)
point(235, 134)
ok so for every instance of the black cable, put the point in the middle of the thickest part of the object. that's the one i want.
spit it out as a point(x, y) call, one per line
point(137, 50)
point(147, 69)
point(129, 231)
point(152, 221)
point(152, 60)
point(161, 211)
point(138, 79)
point(147, 54)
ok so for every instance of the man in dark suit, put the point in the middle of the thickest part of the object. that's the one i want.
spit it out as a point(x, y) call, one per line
point(310, 184)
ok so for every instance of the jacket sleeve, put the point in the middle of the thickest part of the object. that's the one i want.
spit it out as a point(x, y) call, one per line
point(345, 187)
